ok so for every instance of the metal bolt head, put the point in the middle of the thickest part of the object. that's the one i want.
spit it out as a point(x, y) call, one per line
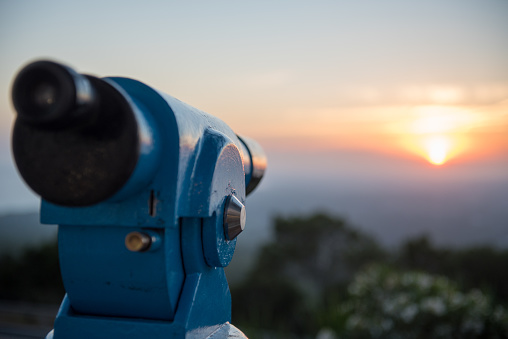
point(234, 217)
point(137, 241)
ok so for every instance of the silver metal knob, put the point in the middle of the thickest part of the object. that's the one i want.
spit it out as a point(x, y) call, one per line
point(234, 217)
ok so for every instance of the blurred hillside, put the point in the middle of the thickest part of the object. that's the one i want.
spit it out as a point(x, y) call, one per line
point(21, 230)
point(313, 278)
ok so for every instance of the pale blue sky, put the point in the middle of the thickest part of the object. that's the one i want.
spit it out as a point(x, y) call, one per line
point(225, 55)
point(269, 67)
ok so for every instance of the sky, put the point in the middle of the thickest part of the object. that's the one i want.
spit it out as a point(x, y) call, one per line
point(366, 90)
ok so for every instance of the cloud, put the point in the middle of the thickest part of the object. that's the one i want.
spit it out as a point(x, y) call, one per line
point(422, 94)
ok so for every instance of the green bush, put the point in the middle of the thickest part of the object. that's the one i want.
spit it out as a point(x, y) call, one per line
point(33, 276)
point(385, 303)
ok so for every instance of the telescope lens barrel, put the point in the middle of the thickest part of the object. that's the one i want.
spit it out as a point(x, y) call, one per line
point(48, 94)
point(254, 163)
point(44, 95)
point(77, 139)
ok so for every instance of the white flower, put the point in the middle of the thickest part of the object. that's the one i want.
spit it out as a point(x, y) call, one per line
point(409, 312)
point(407, 279)
point(353, 322)
point(425, 281)
point(387, 324)
point(472, 325)
point(499, 314)
point(326, 333)
point(457, 300)
point(389, 306)
point(434, 305)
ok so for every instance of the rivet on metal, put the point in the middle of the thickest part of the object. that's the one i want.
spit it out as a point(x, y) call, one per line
point(137, 241)
point(234, 217)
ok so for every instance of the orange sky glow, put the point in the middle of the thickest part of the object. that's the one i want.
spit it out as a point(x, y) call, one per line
point(436, 133)
point(426, 81)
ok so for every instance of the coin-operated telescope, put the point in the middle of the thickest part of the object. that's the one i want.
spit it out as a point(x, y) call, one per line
point(149, 195)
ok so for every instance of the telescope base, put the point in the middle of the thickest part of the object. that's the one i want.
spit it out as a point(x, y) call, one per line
point(68, 324)
point(223, 331)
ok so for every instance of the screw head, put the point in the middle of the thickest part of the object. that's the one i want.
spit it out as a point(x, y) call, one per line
point(137, 241)
point(234, 217)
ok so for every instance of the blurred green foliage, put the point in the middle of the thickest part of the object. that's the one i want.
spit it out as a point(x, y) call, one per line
point(386, 303)
point(304, 282)
point(33, 276)
point(475, 267)
point(286, 286)
point(319, 272)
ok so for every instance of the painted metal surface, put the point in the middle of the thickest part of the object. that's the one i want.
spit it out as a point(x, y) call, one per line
point(171, 284)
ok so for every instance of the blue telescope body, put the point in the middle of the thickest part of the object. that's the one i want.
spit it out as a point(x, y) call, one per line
point(149, 196)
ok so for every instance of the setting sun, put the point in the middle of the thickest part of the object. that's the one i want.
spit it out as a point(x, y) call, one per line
point(438, 148)
point(439, 133)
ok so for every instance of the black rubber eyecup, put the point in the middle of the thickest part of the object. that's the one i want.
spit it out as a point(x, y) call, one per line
point(43, 93)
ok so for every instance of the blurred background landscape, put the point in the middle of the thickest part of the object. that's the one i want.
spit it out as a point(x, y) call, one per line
point(388, 120)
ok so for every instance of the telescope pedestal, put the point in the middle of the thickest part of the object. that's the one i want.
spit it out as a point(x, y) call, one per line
point(204, 307)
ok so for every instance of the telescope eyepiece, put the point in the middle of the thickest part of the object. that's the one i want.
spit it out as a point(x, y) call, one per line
point(76, 139)
point(44, 95)
point(48, 94)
